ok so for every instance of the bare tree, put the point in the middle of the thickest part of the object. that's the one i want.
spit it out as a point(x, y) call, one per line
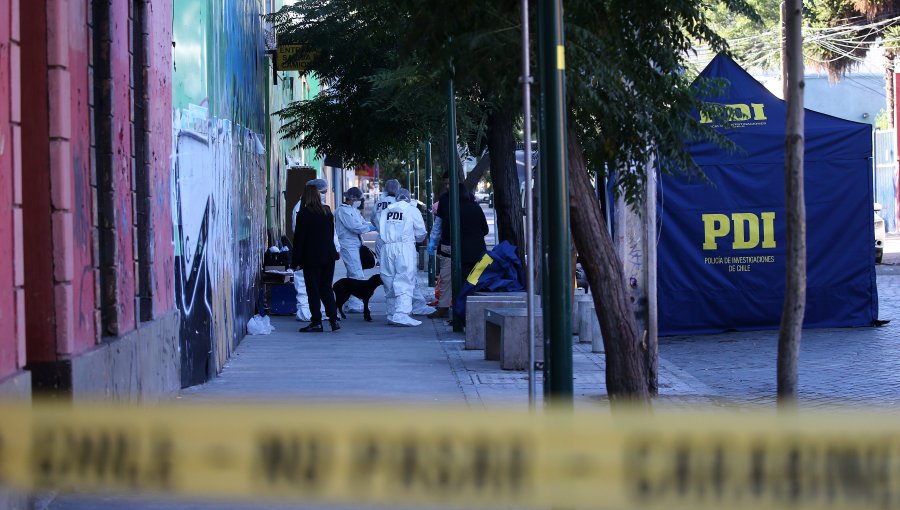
point(795, 286)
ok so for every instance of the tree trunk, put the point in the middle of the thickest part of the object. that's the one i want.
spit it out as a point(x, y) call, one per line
point(795, 286)
point(478, 172)
point(441, 150)
point(626, 373)
point(508, 212)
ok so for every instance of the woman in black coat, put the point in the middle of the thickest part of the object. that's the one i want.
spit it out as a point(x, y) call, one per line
point(315, 254)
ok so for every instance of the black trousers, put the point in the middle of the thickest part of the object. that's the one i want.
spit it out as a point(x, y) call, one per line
point(318, 289)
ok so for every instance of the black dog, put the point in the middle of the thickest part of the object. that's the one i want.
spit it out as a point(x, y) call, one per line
point(363, 289)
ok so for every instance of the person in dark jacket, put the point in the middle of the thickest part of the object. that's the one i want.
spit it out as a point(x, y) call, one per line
point(472, 227)
point(315, 254)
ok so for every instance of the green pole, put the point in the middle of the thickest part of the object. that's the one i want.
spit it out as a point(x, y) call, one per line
point(455, 242)
point(542, 195)
point(429, 204)
point(558, 317)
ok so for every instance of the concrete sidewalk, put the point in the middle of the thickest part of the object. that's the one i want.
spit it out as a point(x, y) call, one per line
point(428, 365)
point(380, 362)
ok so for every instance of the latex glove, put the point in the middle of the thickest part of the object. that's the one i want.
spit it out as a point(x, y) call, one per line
point(431, 246)
point(372, 228)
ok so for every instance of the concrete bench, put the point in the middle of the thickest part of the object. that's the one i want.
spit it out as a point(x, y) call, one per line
point(589, 325)
point(506, 337)
point(579, 298)
point(517, 294)
point(477, 303)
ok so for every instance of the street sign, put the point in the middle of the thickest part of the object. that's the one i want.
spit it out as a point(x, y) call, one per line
point(292, 57)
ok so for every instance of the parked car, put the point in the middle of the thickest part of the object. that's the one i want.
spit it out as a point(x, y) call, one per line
point(879, 235)
point(481, 197)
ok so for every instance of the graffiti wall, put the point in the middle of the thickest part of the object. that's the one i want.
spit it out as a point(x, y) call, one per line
point(220, 75)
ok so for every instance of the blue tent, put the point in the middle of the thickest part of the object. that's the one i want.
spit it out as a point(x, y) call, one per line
point(722, 240)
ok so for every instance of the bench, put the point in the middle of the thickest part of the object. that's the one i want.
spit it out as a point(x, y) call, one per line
point(477, 303)
point(506, 337)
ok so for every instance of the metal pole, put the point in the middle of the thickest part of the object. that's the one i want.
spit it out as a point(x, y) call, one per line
point(559, 317)
point(529, 203)
point(650, 254)
point(415, 189)
point(409, 174)
point(429, 204)
point(455, 241)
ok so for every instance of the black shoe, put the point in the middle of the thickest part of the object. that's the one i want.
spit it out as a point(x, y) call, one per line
point(440, 313)
point(314, 327)
point(335, 325)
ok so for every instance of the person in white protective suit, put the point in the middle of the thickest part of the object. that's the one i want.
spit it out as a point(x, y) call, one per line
point(349, 226)
point(303, 312)
point(401, 227)
point(391, 187)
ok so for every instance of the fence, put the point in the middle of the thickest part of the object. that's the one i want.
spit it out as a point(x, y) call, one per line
point(885, 178)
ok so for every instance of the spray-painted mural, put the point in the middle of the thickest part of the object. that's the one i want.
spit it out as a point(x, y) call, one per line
point(220, 74)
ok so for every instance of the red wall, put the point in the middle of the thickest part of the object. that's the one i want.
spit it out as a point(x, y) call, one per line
point(159, 88)
point(83, 276)
point(60, 275)
point(122, 165)
point(40, 327)
point(8, 342)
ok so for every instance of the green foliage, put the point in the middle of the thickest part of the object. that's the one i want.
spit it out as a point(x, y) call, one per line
point(385, 65)
point(631, 97)
point(380, 97)
point(743, 31)
point(881, 120)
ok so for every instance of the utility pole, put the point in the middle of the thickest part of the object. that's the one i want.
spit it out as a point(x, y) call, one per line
point(792, 313)
point(455, 241)
point(558, 318)
point(429, 205)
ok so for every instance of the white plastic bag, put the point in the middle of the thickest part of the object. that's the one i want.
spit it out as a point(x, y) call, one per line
point(260, 325)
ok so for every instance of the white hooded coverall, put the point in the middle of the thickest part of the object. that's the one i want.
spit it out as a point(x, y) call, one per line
point(380, 206)
point(401, 226)
point(349, 225)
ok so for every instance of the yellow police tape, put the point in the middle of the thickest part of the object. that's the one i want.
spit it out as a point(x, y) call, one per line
point(458, 457)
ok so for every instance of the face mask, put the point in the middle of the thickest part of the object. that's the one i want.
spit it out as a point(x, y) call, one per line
point(322, 195)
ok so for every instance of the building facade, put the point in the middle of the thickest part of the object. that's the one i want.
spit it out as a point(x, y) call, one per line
point(86, 280)
point(141, 179)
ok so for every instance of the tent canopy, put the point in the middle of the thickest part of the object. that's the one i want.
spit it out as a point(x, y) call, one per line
point(722, 239)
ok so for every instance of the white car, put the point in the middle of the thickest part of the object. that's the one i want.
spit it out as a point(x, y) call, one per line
point(482, 197)
point(879, 235)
